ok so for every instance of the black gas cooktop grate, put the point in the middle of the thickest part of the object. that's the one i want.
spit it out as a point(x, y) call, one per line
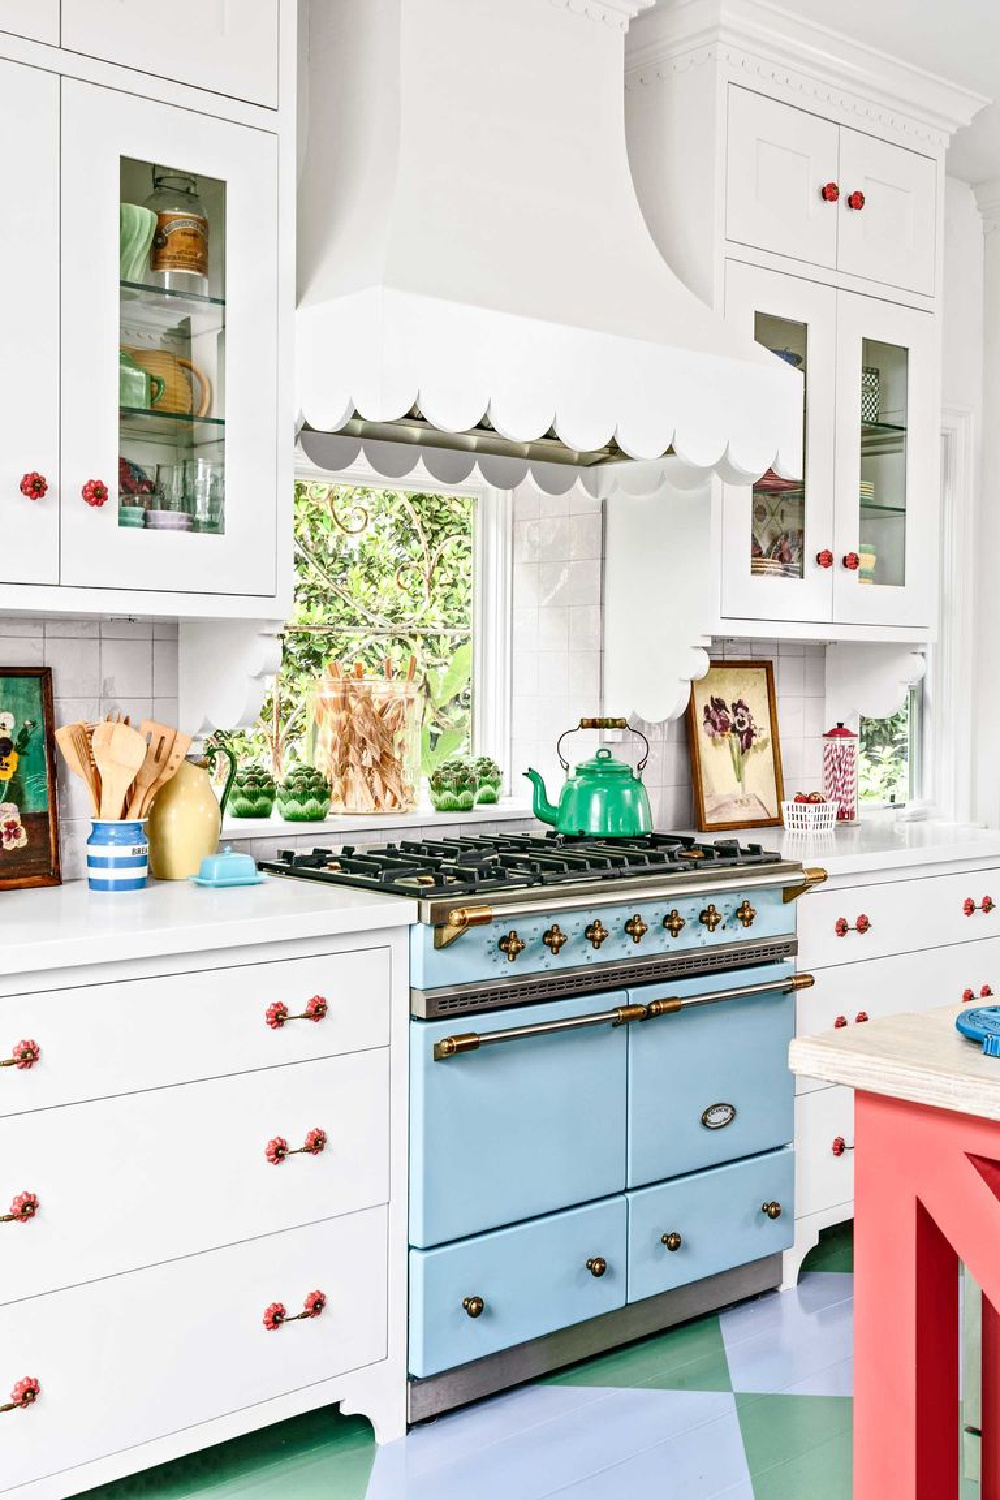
point(428, 868)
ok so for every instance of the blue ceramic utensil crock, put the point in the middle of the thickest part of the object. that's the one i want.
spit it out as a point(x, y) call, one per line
point(117, 855)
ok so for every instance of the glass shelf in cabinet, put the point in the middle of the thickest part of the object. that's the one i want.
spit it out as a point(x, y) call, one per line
point(176, 428)
point(875, 509)
point(882, 437)
point(160, 309)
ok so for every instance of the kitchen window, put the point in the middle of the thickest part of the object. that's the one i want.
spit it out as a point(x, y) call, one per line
point(890, 754)
point(385, 577)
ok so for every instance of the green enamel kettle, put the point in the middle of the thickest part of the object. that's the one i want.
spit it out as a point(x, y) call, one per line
point(603, 798)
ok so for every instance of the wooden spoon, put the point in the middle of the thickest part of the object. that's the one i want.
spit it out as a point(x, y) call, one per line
point(75, 746)
point(174, 761)
point(160, 739)
point(119, 752)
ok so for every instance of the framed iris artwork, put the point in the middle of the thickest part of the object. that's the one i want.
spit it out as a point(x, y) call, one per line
point(29, 821)
point(733, 738)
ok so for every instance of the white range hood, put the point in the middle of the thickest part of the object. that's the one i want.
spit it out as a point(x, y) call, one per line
point(477, 285)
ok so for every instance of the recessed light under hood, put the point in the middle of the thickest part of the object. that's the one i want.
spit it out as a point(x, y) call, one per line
point(477, 285)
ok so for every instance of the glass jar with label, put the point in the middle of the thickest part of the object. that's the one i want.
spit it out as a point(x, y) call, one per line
point(179, 257)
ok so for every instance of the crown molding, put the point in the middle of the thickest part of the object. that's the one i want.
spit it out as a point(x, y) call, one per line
point(774, 46)
point(614, 13)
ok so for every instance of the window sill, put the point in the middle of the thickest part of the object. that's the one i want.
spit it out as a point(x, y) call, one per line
point(235, 830)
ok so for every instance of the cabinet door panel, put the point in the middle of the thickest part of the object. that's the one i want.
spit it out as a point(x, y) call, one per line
point(29, 271)
point(211, 402)
point(892, 237)
point(771, 521)
point(778, 160)
point(887, 464)
point(35, 19)
point(228, 46)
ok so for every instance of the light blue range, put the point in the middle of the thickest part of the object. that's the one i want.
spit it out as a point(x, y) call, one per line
point(601, 1117)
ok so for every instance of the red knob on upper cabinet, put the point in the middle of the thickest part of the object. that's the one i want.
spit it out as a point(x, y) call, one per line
point(24, 1394)
point(852, 562)
point(856, 200)
point(34, 485)
point(95, 493)
point(24, 1056)
point(825, 558)
point(830, 192)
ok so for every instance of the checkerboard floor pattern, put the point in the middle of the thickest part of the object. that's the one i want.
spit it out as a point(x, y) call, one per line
point(751, 1404)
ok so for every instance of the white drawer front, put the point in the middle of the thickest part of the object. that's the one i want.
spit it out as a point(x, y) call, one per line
point(124, 1182)
point(135, 1357)
point(822, 1176)
point(846, 996)
point(142, 1034)
point(898, 918)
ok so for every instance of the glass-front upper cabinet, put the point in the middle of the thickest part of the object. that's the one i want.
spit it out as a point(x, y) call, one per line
point(169, 417)
point(888, 465)
point(777, 536)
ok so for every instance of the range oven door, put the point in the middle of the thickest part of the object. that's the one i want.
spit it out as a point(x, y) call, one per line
point(524, 1125)
point(709, 1083)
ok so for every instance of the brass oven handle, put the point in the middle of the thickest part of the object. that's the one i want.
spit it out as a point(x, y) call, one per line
point(474, 1306)
point(623, 1015)
point(597, 1265)
point(773, 1210)
point(810, 878)
point(672, 1241)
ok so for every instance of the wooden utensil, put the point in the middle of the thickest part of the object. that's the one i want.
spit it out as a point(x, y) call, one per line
point(178, 750)
point(75, 746)
point(119, 752)
point(159, 742)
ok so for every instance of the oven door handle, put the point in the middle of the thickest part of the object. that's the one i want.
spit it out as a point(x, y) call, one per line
point(622, 1015)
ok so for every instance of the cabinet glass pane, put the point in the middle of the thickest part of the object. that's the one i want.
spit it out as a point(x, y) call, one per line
point(171, 356)
point(777, 532)
point(882, 490)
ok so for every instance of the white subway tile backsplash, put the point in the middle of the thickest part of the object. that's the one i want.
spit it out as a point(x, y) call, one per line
point(585, 627)
point(76, 666)
point(164, 668)
point(20, 650)
point(127, 630)
point(585, 537)
point(126, 668)
point(553, 630)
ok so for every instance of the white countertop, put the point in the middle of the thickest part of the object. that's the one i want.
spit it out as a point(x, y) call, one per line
point(378, 828)
point(920, 1058)
point(67, 925)
point(884, 843)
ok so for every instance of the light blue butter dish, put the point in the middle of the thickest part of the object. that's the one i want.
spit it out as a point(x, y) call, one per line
point(228, 868)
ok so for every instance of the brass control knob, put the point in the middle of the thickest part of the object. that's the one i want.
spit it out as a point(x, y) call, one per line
point(595, 933)
point(746, 914)
point(511, 946)
point(474, 1306)
point(597, 1265)
point(710, 918)
point(554, 938)
point(773, 1210)
point(636, 928)
point(674, 922)
point(672, 1241)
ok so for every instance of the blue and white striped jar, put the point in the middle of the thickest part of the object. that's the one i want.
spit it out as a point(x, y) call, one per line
point(117, 855)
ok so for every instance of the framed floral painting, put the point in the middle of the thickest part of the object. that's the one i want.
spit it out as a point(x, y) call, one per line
point(29, 821)
point(735, 754)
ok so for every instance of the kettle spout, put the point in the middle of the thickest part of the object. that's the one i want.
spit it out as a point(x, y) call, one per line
point(541, 806)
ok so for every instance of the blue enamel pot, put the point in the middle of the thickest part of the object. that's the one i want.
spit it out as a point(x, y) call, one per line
point(117, 855)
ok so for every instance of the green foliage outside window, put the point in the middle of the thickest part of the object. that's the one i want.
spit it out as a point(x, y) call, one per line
point(380, 575)
point(884, 758)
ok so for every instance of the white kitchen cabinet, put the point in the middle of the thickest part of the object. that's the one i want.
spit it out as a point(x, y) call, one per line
point(226, 46)
point(36, 19)
point(203, 453)
point(778, 160)
point(29, 374)
point(854, 543)
point(891, 236)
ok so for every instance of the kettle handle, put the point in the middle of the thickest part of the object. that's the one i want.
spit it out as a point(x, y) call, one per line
point(603, 724)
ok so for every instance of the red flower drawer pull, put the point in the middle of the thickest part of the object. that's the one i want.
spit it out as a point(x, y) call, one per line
point(861, 1017)
point(95, 493)
point(842, 926)
point(986, 905)
point(23, 1209)
point(856, 200)
point(851, 561)
point(278, 1149)
point(984, 994)
point(840, 1146)
point(34, 485)
point(276, 1317)
point(24, 1394)
point(830, 192)
point(24, 1056)
point(277, 1014)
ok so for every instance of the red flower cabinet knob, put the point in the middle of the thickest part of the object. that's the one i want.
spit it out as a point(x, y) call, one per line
point(842, 926)
point(852, 562)
point(856, 200)
point(22, 1210)
point(830, 192)
point(984, 994)
point(24, 1056)
point(95, 493)
point(276, 1316)
point(278, 1013)
point(840, 1146)
point(24, 1394)
point(277, 1150)
point(34, 485)
point(861, 1017)
point(986, 905)
point(825, 558)
point(840, 1023)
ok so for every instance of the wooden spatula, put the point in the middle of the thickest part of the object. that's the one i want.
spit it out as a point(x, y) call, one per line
point(119, 752)
point(159, 740)
point(174, 761)
point(75, 746)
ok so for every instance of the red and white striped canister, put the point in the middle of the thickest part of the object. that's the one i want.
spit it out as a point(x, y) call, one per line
point(840, 771)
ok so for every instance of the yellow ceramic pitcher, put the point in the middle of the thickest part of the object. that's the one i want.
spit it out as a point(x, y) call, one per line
point(185, 820)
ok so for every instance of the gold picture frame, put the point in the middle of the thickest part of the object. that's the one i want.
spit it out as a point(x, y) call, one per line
point(735, 750)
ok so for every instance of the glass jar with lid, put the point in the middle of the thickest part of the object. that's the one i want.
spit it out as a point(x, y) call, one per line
point(179, 257)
